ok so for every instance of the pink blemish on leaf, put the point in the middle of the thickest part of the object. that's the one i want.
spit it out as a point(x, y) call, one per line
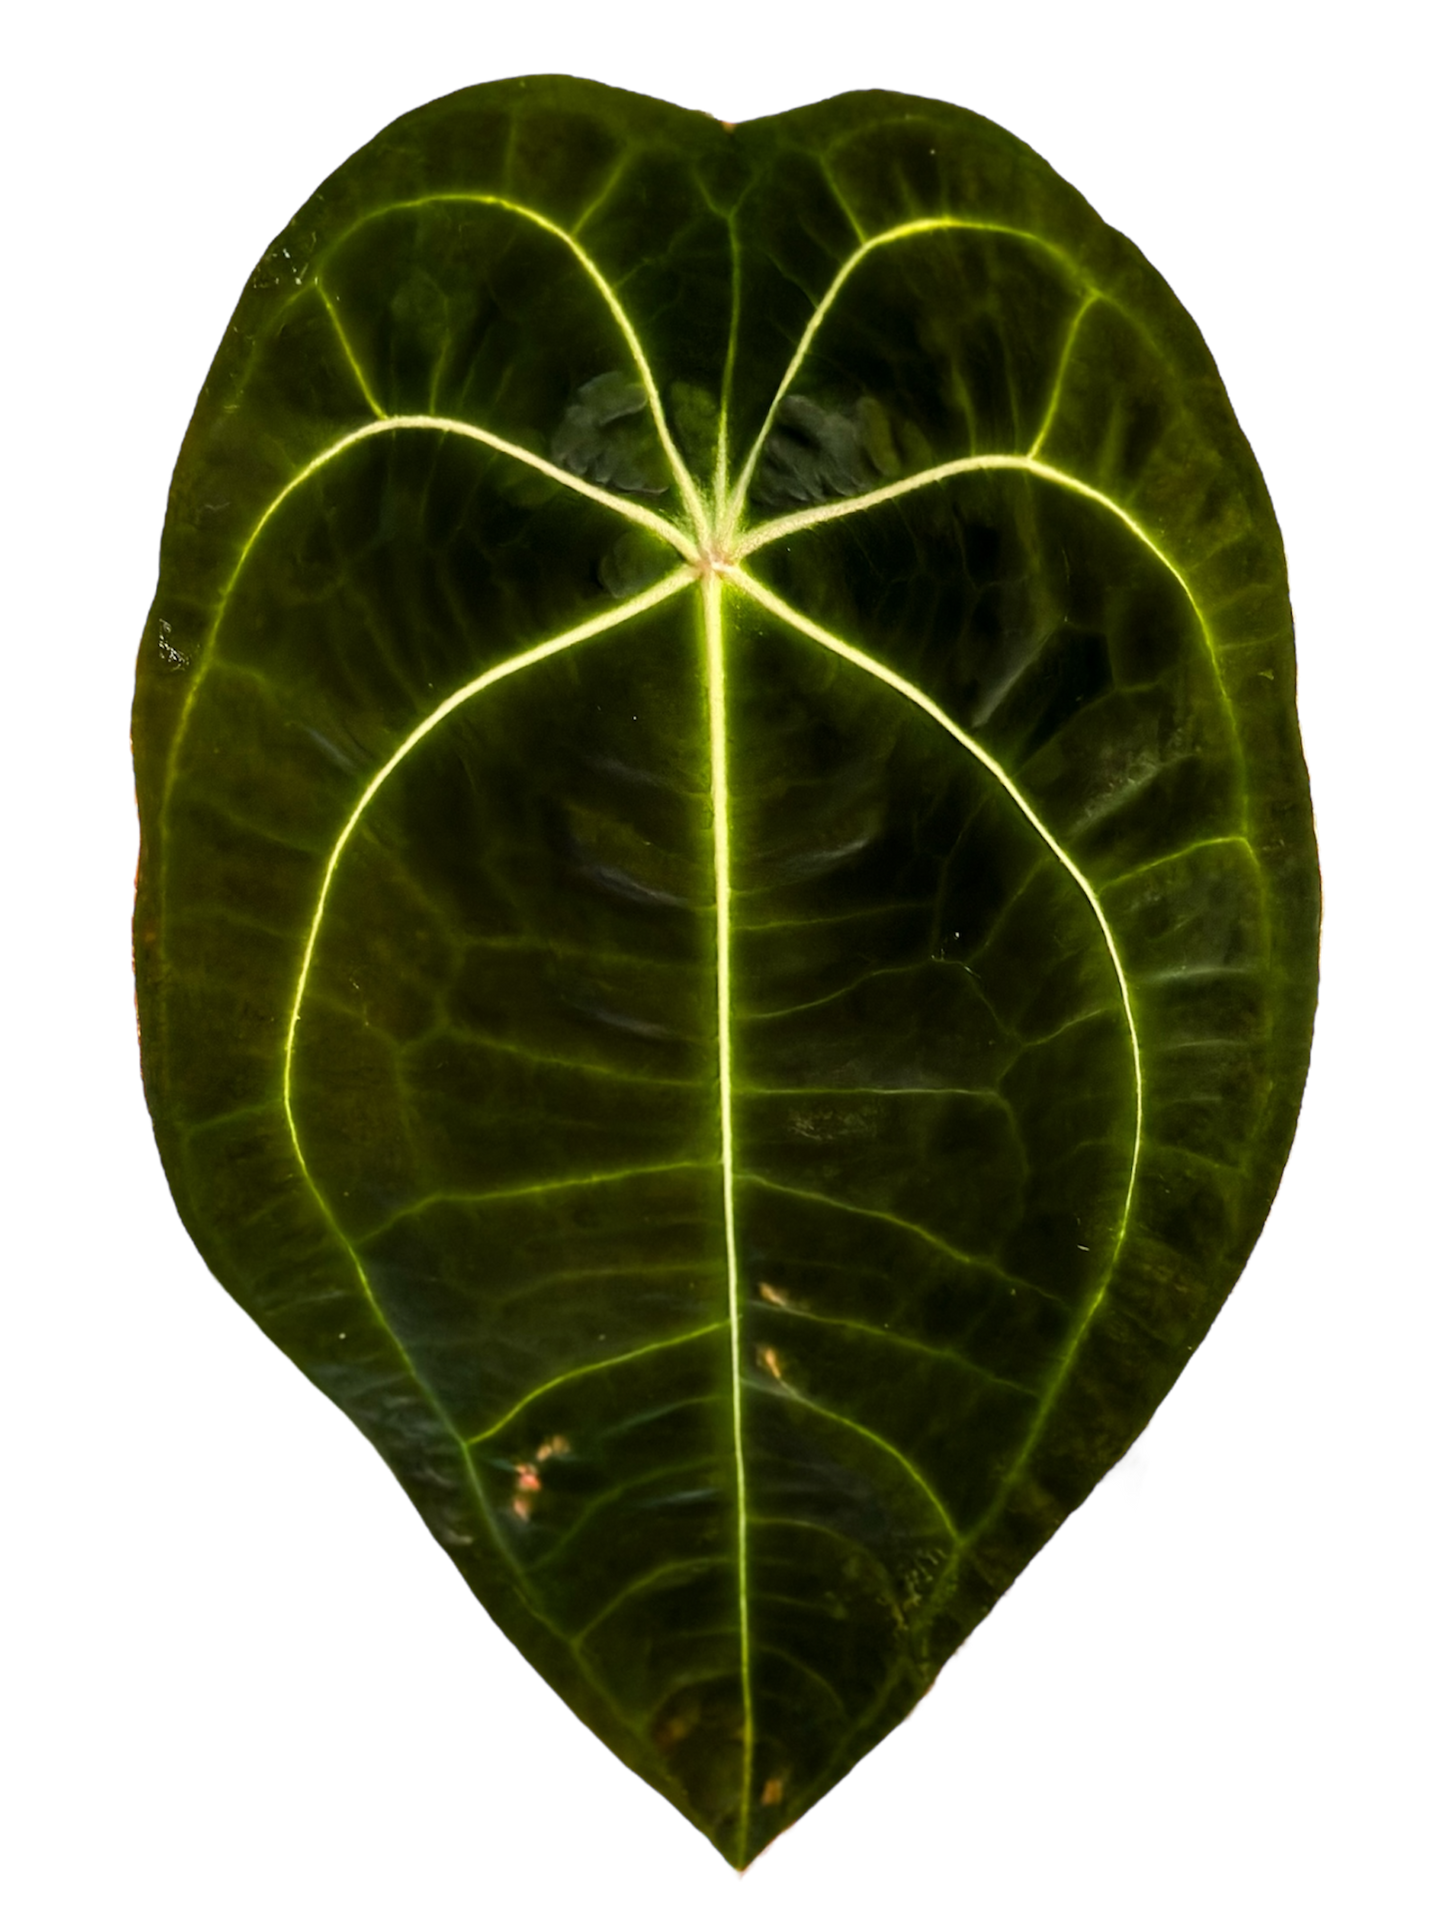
point(770, 1361)
point(527, 1479)
point(522, 1507)
point(773, 1294)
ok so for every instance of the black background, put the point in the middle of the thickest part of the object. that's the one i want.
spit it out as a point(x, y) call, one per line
point(299, 1689)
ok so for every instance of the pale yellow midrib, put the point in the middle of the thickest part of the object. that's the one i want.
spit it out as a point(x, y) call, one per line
point(722, 874)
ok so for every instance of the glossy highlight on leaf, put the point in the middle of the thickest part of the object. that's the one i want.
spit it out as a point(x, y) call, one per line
point(728, 915)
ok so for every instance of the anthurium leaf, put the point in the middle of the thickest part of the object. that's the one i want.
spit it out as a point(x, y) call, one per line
point(728, 913)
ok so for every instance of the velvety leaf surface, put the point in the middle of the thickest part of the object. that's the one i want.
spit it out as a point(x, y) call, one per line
point(728, 912)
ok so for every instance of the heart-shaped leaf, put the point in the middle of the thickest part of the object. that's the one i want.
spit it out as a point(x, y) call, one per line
point(728, 913)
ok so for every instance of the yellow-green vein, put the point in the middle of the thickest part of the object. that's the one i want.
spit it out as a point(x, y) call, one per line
point(785, 1391)
point(681, 473)
point(527, 659)
point(1065, 353)
point(598, 1365)
point(804, 519)
point(907, 230)
point(346, 348)
point(804, 625)
point(722, 875)
point(392, 424)
point(902, 1224)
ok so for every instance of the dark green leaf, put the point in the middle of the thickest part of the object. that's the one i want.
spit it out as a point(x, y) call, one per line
point(728, 912)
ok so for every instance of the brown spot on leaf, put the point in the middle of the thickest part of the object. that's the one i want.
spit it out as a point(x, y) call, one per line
point(677, 1725)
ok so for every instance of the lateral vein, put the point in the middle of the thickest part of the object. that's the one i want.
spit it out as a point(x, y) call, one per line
point(798, 621)
point(528, 658)
point(907, 230)
point(687, 487)
point(586, 1371)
